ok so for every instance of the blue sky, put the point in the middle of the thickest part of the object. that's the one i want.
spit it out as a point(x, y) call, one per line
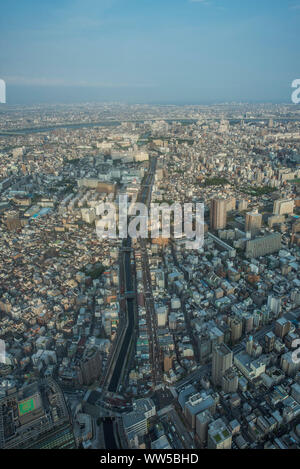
point(149, 50)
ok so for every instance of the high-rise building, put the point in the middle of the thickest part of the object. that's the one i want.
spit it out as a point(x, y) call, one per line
point(221, 361)
point(253, 222)
point(269, 341)
point(198, 403)
point(263, 245)
point(288, 364)
point(230, 381)
point(236, 328)
point(218, 214)
point(242, 205)
point(295, 297)
point(282, 327)
point(247, 322)
point(274, 304)
point(230, 204)
point(202, 421)
point(283, 207)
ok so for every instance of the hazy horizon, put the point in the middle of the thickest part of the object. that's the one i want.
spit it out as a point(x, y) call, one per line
point(33, 95)
point(170, 51)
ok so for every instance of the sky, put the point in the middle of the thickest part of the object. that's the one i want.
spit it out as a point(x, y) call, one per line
point(149, 51)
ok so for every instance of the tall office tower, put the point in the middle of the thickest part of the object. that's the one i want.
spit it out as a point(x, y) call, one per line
point(218, 208)
point(253, 222)
point(283, 207)
point(236, 328)
point(221, 361)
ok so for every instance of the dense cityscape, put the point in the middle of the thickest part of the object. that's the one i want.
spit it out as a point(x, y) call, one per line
point(142, 343)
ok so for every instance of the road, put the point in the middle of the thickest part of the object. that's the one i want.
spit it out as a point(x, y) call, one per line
point(109, 437)
point(125, 337)
point(119, 360)
point(149, 302)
